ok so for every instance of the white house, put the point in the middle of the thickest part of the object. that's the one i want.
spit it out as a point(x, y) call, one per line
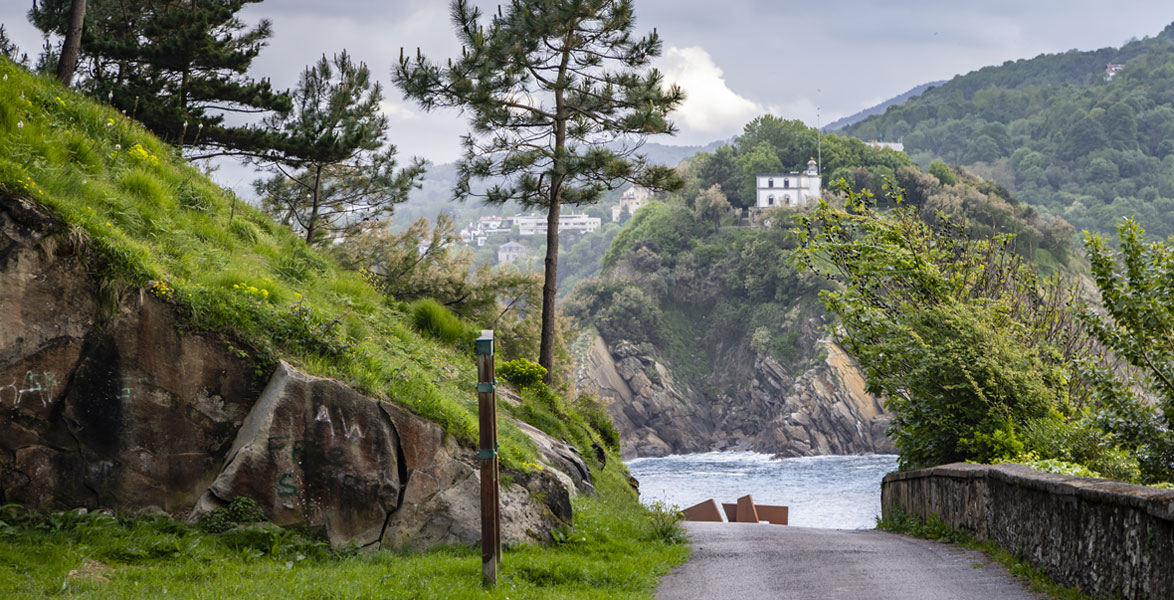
point(511, 252)
point(789, 189)
point(631, 201)
point(533, 224)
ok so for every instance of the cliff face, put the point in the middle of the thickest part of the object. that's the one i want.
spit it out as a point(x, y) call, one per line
point(824, 410)
point(105, 402)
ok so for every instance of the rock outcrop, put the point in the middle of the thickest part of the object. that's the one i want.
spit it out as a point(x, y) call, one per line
point(108, 404)
point(824, 410)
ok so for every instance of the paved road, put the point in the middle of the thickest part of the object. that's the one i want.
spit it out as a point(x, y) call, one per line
point(742, 561)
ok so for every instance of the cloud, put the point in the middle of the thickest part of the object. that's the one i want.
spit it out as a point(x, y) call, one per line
point(711, 109)
point(397, 112)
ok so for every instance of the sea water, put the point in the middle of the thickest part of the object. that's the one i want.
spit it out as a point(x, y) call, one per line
point(836, 492)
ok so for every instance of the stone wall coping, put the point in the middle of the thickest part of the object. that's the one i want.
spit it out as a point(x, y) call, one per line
point(1154, 501)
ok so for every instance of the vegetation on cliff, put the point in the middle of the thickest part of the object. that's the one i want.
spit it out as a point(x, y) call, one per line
point(712, 300)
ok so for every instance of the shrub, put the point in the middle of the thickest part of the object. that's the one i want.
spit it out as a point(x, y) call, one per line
point(597, 417)
point(240, 511)
point(522, 372)
point(432, 318)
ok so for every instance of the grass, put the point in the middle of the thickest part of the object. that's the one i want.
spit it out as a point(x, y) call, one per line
point(617, 549)
point(145, 219)
point(935, 529)
point(145, 216)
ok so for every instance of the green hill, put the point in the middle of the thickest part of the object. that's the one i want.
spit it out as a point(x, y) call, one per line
point(1057, 131)
point(146, 221)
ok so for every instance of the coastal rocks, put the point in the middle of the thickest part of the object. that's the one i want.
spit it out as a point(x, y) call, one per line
point(825, 410)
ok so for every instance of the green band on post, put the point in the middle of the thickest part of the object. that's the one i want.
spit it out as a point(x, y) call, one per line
point(487, 454)
point(486, 388)
point(485, 344)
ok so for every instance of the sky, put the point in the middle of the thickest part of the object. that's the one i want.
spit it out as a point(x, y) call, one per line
point(736, 59)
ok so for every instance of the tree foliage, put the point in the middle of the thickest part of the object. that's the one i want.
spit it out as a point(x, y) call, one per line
point(712, 205)
point(176, 66)
point(1136, 283)
point(970, 348)
point(336, 171)
point(428, 261)
point(559, 93)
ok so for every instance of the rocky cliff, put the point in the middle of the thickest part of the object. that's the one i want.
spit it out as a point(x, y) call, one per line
point(824, 410)
point(105, 402)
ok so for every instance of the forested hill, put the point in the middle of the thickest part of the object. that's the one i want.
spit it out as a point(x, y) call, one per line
point(879, 108)
point(1057, 132)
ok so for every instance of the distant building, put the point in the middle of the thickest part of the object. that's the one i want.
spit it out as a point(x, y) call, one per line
point(477, 233)
point(534, 224)
point(898, 146)
point(789, 189)
point(1111, 69)
point(511, 252)
point(631, 201)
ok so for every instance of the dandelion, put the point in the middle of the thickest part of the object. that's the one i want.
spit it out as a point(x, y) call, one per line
point(109, 123)
point(6, 77)
point(19, 125)
point(117, 147)
point(108, 224)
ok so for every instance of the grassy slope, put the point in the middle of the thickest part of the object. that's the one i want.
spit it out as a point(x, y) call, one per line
point(147, 216)
point(614, 552)
point(150, 220)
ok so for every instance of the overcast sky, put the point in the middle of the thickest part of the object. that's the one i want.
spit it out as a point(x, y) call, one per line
point(736, 59)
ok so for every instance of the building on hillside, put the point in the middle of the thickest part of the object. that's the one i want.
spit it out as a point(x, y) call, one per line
point(1112, 69)
point(631, 201)
point(899, 146)
point(512, 252)
point(483, 229)
point(534, 224)
point(789, 189)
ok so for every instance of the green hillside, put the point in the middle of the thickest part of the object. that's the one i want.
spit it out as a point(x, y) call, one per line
point(1057, 132)
point(147, 220)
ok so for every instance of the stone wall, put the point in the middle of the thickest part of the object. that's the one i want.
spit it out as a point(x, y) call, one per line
point(1107, 538)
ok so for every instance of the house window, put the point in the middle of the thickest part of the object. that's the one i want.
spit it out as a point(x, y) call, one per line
point(787, 198)
point(770, 182)
point(770, 200)
point(786, 183)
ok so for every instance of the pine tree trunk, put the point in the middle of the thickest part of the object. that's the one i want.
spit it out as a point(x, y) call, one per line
point(312, 222)
point(67, 63)
point(549, 290)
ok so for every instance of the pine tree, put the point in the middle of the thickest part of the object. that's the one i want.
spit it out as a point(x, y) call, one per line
point(177, 66)
point(335, 170)
point(560, 96)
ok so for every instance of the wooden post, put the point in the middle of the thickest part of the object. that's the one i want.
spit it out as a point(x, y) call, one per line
point(487, 454)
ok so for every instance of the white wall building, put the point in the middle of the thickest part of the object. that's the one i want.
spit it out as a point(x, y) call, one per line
point(533, 224)
point(631, 201)
point(511, 252)
point(789, 189)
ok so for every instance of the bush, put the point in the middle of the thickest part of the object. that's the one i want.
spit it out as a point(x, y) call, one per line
point(522, 372)
point(240, 511)
point(433, 319)
point(596, 416)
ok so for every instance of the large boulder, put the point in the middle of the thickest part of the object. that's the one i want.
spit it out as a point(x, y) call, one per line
point(103, 406)
point(314, 453)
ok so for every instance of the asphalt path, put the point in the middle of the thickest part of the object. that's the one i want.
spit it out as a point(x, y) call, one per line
point(745, 561)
